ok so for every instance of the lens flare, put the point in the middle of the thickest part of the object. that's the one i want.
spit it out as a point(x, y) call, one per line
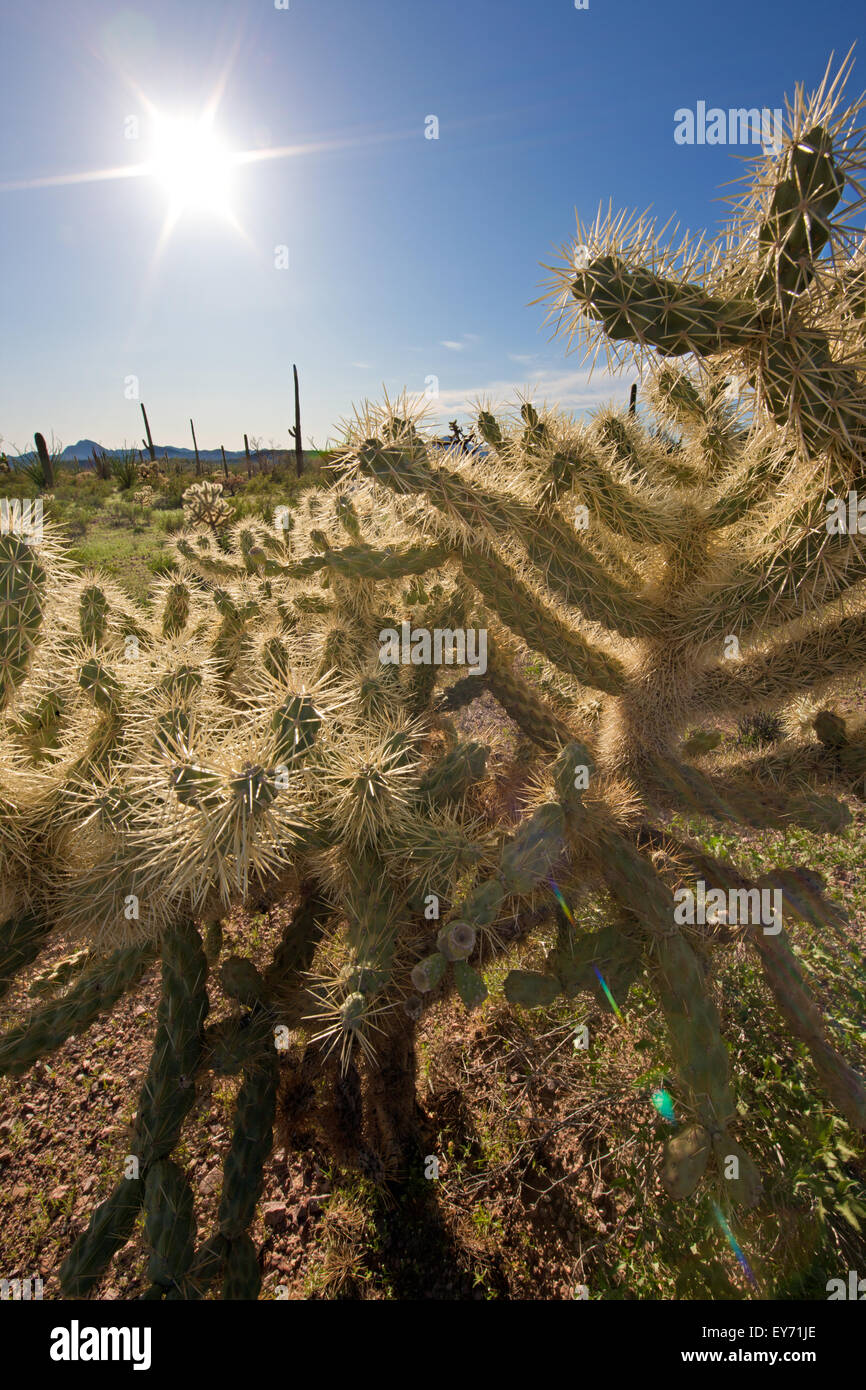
point(610, 999)
point(731, 1239)
point(664, 1104)
point(601, 980)
point(561, 900)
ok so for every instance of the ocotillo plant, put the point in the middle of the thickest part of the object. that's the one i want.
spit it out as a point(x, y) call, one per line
point(101, 464)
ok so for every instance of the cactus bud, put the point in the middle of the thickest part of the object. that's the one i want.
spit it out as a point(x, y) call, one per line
point(352, 1011)
point(456, 940)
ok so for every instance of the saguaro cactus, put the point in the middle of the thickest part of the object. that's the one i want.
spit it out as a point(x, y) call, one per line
point(148, 442)
point(296, 432)
point(195, 447)
point(45, 459)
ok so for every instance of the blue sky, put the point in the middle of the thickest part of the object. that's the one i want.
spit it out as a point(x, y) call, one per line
point(408, 258)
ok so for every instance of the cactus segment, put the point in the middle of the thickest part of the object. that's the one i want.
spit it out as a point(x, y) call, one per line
point(169, 1223)
point(242, 1278)
point(456, 940)
point(685, 1161)
point(638, 306)
point(22, 591)
point(740, 1179)
point(451, 776)
point(49, 1026)
point(470, 985)
point(252, 1138)
point(110, 1227)
point(534, 849)
point(22, 937)
point(428, 973)
point(169, 1087)
point(531, 990)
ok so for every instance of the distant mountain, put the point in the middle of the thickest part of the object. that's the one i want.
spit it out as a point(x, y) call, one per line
point(82, 452)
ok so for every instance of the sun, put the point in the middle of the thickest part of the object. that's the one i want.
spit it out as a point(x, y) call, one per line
point(191, 164)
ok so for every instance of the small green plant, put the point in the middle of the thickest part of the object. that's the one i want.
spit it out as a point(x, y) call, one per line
point(125, 468)
point(760, 728)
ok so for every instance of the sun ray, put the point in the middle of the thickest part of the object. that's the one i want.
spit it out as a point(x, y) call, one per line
point(122, 171)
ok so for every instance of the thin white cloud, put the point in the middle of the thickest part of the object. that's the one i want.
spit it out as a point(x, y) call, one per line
point(457, 345)
point(570, 390)
point(364, 365)
point(522, 357)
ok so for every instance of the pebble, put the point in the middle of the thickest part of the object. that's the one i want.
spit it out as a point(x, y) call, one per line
point(275, 1215)
point(211, 1182)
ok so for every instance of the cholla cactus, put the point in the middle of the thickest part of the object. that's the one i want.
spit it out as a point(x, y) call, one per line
point(241, 743)
point(246, 742)
point(204, 504)
point(150, 472)
point(777, 301)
